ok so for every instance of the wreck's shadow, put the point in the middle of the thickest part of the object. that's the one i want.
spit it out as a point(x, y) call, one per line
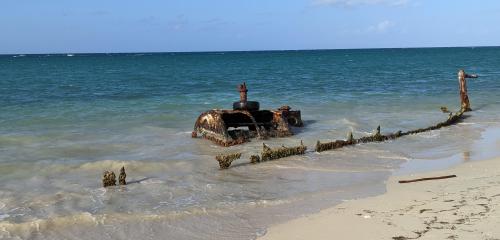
point(138, 181)
point(305, 127)
point(480, 107)
point(309, 122)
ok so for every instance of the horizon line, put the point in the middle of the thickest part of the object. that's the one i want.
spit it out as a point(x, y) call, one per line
point(236, 51)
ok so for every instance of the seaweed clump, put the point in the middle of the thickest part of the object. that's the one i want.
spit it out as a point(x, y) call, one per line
point(226, 160)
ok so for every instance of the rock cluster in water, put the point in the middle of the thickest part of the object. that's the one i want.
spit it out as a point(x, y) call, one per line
point(109, 178)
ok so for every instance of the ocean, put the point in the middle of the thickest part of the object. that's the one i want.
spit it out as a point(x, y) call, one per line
point(66, 118)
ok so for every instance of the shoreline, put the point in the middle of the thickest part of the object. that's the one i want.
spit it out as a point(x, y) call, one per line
point(455, 208)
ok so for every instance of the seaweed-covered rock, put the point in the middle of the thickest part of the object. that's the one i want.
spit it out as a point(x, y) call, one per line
point(123, 175)
point(226, 160)
point(108, 179)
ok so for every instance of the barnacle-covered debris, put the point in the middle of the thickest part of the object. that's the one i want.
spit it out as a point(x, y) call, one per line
point(122, 176)
point(245, 121)
point(108, 179)
point(272, 154)
point(320, 147)
point(226, 160)
point(281, 152)
point(254, 159)
point(378, 137)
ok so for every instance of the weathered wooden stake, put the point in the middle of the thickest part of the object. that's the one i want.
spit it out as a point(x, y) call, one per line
point(462, 84)
point(122, 177)
point(350, 138)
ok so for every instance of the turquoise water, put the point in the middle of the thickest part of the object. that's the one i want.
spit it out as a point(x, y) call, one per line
point(64, 119)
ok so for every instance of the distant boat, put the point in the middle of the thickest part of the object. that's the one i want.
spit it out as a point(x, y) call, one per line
point(70, 55)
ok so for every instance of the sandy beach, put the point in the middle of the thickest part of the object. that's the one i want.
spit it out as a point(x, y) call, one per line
point(464, 207)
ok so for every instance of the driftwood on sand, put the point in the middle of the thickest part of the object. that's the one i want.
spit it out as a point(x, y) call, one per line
point(427, 179)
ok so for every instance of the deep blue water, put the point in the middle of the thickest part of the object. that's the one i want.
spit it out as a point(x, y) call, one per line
point(180, 85)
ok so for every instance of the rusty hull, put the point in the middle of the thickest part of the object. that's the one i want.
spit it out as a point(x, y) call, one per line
point(232, 127)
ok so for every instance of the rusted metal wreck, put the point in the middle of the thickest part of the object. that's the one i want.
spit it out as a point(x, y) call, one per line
point(246, 121)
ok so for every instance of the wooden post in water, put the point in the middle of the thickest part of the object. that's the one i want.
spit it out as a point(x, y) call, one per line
point(462, 84)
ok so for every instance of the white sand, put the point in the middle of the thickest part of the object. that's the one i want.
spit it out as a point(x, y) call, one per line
point(465, 207)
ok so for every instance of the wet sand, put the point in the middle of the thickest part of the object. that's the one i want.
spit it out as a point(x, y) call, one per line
point(465, 207)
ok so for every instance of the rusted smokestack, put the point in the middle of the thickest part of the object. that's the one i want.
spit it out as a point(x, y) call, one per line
point(243, 104)
point(242, 88)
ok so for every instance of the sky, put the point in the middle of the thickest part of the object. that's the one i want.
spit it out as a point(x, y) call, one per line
point(103, 26)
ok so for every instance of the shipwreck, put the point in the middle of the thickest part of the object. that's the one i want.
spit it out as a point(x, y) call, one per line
point(245, 121)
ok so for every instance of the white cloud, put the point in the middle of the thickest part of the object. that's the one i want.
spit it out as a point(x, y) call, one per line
point(354, 3)
point(381, 26)
point(178, 23)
